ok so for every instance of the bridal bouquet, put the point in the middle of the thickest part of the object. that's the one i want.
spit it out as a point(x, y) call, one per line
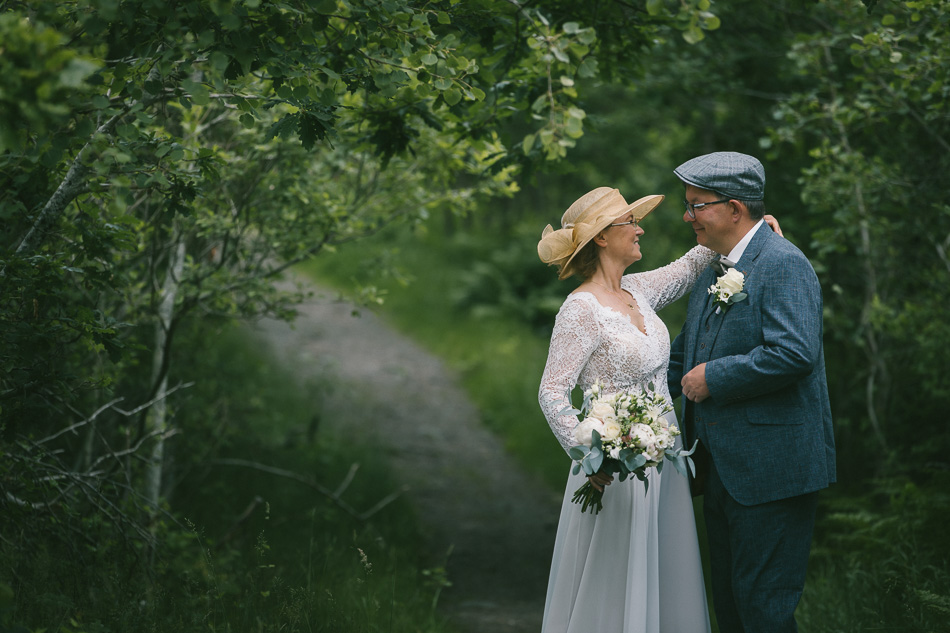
point(623, 433)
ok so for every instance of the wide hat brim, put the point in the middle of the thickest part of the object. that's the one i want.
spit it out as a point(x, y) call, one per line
point(560, 246)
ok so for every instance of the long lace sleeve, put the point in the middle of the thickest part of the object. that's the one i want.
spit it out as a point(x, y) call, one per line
point(665, 285)
point(575, 337)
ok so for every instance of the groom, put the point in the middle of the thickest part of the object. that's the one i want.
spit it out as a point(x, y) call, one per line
point(751, 368)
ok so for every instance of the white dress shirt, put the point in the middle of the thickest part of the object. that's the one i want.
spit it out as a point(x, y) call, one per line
point(733, 257)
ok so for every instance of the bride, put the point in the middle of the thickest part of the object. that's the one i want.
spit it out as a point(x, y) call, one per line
point(634, 567)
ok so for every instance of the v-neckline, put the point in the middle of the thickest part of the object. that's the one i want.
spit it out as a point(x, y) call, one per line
point(629, 320)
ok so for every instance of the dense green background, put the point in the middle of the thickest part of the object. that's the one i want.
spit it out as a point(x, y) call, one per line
point(162, 162)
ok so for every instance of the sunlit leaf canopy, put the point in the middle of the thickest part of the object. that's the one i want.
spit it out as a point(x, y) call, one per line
point(257, 134)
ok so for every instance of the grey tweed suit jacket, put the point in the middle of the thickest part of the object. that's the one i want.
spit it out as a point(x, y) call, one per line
point(767, 423)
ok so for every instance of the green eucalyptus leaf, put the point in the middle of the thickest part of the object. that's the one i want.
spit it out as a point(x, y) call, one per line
point(576, 452)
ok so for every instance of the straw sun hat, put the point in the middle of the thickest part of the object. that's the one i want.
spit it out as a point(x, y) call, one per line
point(584, 220)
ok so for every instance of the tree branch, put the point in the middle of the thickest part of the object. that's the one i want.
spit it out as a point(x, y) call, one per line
point(332, 496)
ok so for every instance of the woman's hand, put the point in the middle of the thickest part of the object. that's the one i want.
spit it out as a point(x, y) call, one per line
point(599, 480)
point(773, 223)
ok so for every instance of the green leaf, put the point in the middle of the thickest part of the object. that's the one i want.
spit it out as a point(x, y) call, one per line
point(247, 121)
point(693, 34)
point(634, 461)
point(219, 61)
point(654, 7)
point(679, 463)
point(429, 59)
point(329, 72)
point(574, 128)
point(711, 22)
point(588, 68)
point(452, 96)
point(526, 146)
point(198, 92)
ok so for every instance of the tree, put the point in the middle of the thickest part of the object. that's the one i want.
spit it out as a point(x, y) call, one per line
point(163, 161)
point(874, 122)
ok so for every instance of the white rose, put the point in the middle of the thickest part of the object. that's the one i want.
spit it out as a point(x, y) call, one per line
point(732, 282)
point(602, 411)
point(583, 432)
point(663, 440)
point(644, 434)
point(611, 430)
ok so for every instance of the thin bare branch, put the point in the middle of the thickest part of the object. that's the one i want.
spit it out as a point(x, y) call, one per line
point(332, 496)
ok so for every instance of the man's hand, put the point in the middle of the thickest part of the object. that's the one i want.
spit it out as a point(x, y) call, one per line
point(600, 479)
point(694, 384)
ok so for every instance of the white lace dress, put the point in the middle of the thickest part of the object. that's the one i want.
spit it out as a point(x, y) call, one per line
point(635, 566)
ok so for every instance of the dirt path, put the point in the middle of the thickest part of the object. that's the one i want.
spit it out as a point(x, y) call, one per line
point(472, 497)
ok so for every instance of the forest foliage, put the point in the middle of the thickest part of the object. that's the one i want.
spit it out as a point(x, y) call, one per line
point(162, 163)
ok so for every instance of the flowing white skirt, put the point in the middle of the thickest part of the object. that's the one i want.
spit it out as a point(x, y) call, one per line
point(634, 567)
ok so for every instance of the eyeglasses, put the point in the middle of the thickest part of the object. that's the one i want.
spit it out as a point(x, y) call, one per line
point(634, 221)
point(691, 208)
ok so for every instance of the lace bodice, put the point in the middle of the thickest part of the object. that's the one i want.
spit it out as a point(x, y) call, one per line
point(592, 342)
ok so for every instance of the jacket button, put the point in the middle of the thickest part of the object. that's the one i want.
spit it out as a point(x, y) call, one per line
point(702, 346)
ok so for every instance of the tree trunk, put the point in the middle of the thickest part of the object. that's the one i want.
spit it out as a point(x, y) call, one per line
point(156, 421)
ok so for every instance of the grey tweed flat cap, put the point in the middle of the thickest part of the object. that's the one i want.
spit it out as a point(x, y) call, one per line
point(737, 176)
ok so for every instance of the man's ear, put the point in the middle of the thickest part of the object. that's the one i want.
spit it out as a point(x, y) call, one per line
point(739, 210)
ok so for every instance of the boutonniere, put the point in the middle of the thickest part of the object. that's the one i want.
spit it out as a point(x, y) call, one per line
point(728, 290)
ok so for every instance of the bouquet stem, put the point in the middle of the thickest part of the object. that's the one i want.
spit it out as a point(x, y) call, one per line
point(589, 497)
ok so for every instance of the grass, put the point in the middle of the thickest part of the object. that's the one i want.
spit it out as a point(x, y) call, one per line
point(242, 550)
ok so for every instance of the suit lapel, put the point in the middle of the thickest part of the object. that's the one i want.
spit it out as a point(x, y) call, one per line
point(745, 265)
point(697, 313)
